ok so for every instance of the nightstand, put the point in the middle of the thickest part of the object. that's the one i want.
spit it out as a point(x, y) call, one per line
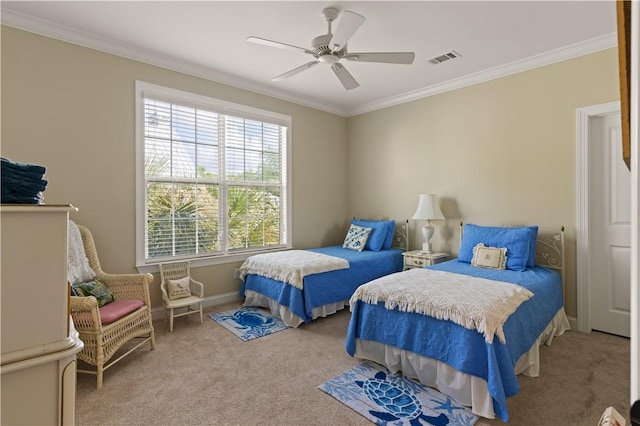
point(420, 259)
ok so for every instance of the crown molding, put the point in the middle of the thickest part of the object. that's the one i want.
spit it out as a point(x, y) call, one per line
point(63, 33)
point(66, 34)
point(547, 58)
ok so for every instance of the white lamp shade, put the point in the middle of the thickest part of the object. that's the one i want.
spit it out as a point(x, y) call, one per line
point(428, 208)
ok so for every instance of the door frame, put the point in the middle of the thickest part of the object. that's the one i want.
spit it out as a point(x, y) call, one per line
point(584, 117)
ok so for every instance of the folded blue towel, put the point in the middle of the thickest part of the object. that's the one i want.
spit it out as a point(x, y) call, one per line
point(10, 182)
point(8, 193)
point(7, 164)
point(16, 199)
point(21, 183)
point(19, 174)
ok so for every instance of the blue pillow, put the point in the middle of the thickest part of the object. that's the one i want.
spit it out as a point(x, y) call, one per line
point(391, 230)
point(532, 248)
point(517, 241)
point(378, 233)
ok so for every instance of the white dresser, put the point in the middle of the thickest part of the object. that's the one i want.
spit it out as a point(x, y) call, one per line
point(39, 344)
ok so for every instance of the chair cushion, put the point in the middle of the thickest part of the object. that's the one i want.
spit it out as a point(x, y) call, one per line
point(118, 309)
point(177, 289)
point(181, 303)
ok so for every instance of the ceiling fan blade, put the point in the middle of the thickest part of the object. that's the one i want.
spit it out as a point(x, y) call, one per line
point(278, 44)
point(347, 27)
point(295, 71)
point(344, 76)
point(383, 57)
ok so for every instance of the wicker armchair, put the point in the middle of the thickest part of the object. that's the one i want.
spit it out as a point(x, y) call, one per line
point(192, 303)
point(102, 341)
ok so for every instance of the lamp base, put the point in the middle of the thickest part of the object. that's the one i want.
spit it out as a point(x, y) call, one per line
point(426, 248)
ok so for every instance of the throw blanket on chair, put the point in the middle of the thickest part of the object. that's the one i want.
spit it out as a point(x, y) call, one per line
point(291, 266)
point(473, 303)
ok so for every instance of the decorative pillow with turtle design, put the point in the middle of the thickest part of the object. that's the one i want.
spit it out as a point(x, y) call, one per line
point(356, 238)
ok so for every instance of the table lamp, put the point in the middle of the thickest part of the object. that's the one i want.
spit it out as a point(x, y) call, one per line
point(428, 209)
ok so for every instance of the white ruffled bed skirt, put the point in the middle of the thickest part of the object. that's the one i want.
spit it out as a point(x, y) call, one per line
point(284, 313)
point(466, 389)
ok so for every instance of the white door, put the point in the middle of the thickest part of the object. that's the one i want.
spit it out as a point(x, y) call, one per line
point(610, 225)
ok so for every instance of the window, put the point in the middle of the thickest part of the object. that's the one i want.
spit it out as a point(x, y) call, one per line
point(212, 178)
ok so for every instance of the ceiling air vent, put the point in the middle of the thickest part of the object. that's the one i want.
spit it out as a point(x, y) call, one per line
point(449, 55)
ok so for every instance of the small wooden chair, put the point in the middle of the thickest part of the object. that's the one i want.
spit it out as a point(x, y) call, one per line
point(173, 298)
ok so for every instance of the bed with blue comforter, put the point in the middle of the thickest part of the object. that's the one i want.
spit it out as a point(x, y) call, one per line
point(443, 354)
point(325, 293)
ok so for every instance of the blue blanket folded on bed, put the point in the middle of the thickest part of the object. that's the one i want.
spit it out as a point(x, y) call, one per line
point(466, 350)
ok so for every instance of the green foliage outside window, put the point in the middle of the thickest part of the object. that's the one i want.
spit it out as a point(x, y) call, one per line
point(182, 219)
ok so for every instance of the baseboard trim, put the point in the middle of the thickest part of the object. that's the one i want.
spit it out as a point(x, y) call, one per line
point(158, 313)
point(573, 322)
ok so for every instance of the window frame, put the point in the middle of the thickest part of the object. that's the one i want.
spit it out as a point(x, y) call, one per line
point(180, 97)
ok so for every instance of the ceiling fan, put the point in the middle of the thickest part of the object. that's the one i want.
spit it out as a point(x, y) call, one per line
point(331, 48)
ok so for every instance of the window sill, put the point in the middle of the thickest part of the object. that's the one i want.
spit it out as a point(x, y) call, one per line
point(197, 262)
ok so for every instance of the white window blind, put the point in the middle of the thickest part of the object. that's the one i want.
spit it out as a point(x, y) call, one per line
point(214, 177)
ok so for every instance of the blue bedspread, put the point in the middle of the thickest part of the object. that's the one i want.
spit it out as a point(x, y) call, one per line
point(463, 349)
point(327, 287)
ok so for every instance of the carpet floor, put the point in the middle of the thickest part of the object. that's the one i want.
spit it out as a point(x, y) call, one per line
point(201, 374)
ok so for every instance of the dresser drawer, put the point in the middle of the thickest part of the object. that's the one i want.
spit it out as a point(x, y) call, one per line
point(420, 259)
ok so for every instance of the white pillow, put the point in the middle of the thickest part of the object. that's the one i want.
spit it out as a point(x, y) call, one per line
point(489, 257)
point(79, 270)
point(356, 238)
point(177, 289)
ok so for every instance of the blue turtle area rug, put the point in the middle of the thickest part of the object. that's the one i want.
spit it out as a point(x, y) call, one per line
point(249, 323)
point(391, 399)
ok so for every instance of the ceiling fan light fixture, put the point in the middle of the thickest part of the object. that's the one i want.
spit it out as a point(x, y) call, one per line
point(330, 48)
point(329, 59)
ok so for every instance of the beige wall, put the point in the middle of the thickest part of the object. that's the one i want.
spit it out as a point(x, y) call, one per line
point(500, 150)
point(71, 109)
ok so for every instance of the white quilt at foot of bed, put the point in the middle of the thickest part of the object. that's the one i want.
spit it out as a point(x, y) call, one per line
point(291, 266)
point(472, 302)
